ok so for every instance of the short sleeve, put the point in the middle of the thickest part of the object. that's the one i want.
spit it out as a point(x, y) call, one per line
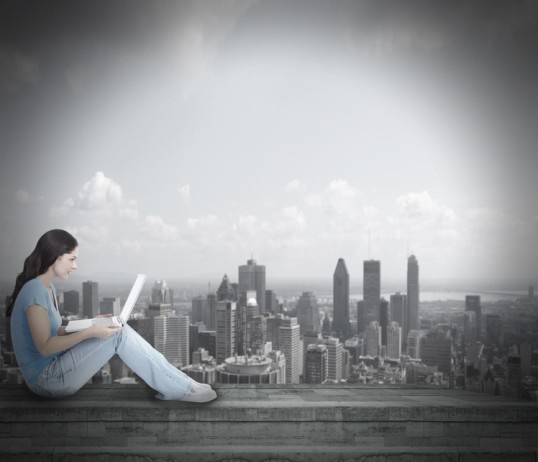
point(34, 294)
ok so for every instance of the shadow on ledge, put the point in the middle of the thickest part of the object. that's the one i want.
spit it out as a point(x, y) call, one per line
point(268, 423)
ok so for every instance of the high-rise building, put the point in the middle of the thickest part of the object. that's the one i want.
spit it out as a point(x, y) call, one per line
point(472, 303)
point(226, 341)
point(307, 313)
point(172, 338)
point(531, 292)
point(90, 299)
point(110, 305)
point(226, 291)
point(398, 313)
point(414, 339)
point(290, 345)
point(334, 358)
point(413, 295)
point(271, 302)
point(72, 301)
point(160, 293)
point(371, 291)
point(494, 330)
point(341, 300)
point(394, 341)
point(252, 277)
point(316, 363)
point(436, 350)
point(383, 320)
point(373, 339)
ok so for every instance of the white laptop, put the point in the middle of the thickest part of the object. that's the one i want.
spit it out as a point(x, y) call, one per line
point(113, 321)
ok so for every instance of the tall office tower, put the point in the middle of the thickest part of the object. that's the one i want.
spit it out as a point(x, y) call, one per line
point(371, 291)
point(398, 306)
point(531, 292)
point(110, 305)
point(373, 339)
point(346, 363)
point(210, 316)
point(334, 355)
point(326, 326)
point(513, 374)
point(341, 300)
point(290, 340)
point(469, 328)
point(436, 350)
point(271, 302)
point(413, 295)
point(494, 330)
point(472, 303)
point(208, 341)
point(316, 363)
point(394, 341)
point(225, 292)
point(160, 293)
point(252, 277)
point(360, 316)
point(71, 301)
point(172, 338)
point(199, 307)
point(273, 331)
point(258, 334)
point(158, 309)
point(226, 319)
point(383, 320)
point(145, 327)
point(90, 299)
point(280, 360)
point(194, 341)
point(307, 313)
point(414, 339)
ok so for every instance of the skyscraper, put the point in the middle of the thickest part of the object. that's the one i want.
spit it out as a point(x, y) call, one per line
point(371, 291)
point(334, 358)
point(316, 366)
point(383, 320)
point(71, 301)
point(290, 345)
point(307, 313)
point(172, 338)
point(226, 318)
point(90, 299)
point(398, 313)
point(110, 305)
point(394, 341)
point(412, 295)
point(472, 303)
point(341, 300)
point(252, 277)
point(160, 293)
point(373, 339)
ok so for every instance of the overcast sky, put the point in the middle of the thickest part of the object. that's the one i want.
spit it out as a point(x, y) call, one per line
point(180, 138)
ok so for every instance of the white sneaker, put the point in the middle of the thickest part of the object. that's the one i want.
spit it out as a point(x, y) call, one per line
point(200, 393)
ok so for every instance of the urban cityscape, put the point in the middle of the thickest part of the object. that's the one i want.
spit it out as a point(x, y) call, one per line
point(244, 332)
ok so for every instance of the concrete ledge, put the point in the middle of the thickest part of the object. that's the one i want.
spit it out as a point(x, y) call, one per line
point(268, 423)
point(265, 454)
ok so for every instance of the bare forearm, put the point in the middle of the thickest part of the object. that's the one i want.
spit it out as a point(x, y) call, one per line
point(62, 342)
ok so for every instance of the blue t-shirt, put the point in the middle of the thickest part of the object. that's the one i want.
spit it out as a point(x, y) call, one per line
point(30, 360)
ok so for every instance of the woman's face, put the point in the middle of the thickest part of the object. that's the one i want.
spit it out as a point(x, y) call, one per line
point(65, 264)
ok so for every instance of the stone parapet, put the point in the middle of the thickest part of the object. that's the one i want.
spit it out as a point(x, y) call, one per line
point(268, 422)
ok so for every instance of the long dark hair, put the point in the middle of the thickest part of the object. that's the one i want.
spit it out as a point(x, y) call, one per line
point(49, 247)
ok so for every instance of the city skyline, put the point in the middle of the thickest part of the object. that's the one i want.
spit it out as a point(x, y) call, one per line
point(204, 134)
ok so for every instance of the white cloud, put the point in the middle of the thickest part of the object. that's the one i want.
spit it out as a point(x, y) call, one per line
point(154, 227)
point(420, 210)
point(185, 193)
point(98, 197)
point(296, 185)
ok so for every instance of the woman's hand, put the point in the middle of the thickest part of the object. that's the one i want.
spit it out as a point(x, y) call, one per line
point(102, 331)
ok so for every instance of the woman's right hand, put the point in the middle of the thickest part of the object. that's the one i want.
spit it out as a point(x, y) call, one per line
point(102, 331)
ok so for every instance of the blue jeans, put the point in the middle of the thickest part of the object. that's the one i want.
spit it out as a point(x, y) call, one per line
point(72, 369)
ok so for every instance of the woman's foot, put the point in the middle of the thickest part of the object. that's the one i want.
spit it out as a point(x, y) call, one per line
point(200, 393)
